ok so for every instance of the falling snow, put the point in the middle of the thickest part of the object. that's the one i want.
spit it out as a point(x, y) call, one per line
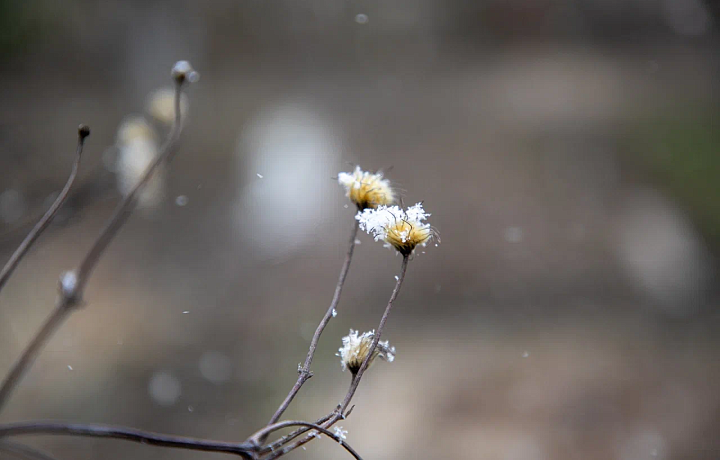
point(181, 200)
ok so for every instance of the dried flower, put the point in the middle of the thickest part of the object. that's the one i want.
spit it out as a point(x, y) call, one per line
point(356, 348)
point(401, 229)
point(366, 189)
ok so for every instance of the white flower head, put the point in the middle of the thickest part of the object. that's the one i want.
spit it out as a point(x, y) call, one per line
point(356, 348)
point(366, 189)
point(402, 229)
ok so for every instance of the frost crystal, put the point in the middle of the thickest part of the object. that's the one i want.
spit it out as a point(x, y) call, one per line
point(356, 348)
point(340, 433)
point(334, 313)
point(366, 189)
point(402, 229)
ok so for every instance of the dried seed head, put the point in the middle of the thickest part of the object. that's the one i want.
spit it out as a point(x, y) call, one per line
point(83, 131)
point(399, 228)
point(366, 189)
point(356, 348)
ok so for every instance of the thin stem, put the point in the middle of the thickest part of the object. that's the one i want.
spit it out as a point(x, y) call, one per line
point(61, 311)
point(126, 206)
point(376, 339)
point(49, 215)
point(71, 293)
point(338, 414)
point(127, 434)
point(23, 451)
point(292, 435)
point(304, 372)
point(279, 426)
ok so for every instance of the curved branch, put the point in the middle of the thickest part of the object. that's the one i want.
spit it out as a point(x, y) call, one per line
point(46, 219)
point(73, 283)
point(338, 413)
point(278, 426)
point(127, 434)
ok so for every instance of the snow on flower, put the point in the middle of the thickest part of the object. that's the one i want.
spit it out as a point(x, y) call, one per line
point(402, 229)
point(366, 189)
point(356, 348)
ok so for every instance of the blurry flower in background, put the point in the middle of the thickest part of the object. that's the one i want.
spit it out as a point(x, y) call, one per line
point(137, 146)
point(295, 151)
point(356, 348)
point(366, 189)
point(661, 251)
point(401, 229)
point(161, 106)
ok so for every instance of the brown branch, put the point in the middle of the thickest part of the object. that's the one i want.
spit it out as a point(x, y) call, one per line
point(14, 261)
point(56, 318)
point(23, 451)
point(128, 434)
point(127, 205)
point(279, 426)
point(72, 284)
point(292, 435)
point(338, 413)
point(304, 371)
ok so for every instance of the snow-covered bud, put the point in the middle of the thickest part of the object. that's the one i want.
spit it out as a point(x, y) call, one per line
point(403, 229)
point(183, 72)
point(366, 189)
point(68, 286)
point(356, 348)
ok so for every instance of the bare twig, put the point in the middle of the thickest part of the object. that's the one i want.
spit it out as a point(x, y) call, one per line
point(376, 339)
point(126, 206)
point(279, 426)
point(56, 318)
point(338, 413)
point(292, 435)
point(73, 283)
point(304, 372)
point(128, 434)
point(23, 451)
point(14, 261)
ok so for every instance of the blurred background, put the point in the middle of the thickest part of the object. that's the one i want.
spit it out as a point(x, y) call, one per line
point(569, 152)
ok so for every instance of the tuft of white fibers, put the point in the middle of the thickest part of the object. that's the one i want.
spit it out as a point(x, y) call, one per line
point(403, 229)
point(138, 148)
point(356, 348)
point(366, 189)
point(161, 106)
point(340, 433)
